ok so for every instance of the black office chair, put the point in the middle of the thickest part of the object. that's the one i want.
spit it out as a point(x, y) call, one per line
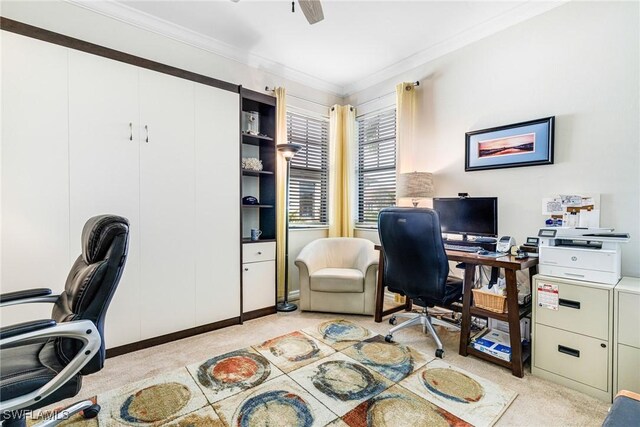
point(43, 361)
point(416, 265)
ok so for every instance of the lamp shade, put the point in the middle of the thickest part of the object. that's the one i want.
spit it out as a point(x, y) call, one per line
point(288, 150)
point(416, 185)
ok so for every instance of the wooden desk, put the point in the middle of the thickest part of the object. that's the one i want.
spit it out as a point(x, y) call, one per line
point(513, 316)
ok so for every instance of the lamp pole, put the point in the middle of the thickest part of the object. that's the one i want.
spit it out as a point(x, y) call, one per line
point(288, 151)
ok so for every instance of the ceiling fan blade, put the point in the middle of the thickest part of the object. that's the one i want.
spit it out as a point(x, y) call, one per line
point(312, 10)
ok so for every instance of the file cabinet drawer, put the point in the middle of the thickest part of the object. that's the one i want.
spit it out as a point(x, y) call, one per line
point(629, 319)
point(628, 372)
point(256, 252)
point(582, 309)
point(573, 356)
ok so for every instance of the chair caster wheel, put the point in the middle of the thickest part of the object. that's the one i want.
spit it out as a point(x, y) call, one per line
point(388, 338)
point(91, 411)
point(440, 353)
point(393, 320)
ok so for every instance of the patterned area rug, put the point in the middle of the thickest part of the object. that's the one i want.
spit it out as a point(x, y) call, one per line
point(335, 374)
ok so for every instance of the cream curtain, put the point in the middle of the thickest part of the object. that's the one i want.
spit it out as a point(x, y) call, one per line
point(405, 115)
point(281, 138)
point(342, 119)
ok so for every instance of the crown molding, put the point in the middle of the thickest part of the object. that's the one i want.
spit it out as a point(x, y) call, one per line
point(145, 21)
point(494, 25)
point(137, 18)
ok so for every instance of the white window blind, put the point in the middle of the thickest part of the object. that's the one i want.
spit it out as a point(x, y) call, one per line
point(376, 164)
point(309, 169)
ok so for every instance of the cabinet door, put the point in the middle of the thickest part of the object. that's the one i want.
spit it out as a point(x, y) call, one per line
point(217, 204)
point(258, 280)
point(35, 171)
point(104, 170)
point(167, 204)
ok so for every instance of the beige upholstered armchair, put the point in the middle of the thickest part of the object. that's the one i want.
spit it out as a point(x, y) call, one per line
point(338, 275)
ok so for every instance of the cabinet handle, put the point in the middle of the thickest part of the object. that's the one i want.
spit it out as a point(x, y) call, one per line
point(569, 351)
point(147, 129)
point(259, 253)
point(130, 131)
point(246, 269)
point(568, 303)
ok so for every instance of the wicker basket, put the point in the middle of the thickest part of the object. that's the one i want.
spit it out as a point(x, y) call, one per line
point(489, 301)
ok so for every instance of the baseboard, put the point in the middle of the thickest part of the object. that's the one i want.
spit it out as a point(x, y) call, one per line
point(258, 313)
point(174, 336)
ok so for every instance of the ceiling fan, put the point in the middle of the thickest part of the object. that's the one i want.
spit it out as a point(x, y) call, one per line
point(312, 9)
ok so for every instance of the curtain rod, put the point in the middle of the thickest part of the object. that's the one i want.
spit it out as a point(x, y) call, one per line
point(268, 89)
point(416, 83)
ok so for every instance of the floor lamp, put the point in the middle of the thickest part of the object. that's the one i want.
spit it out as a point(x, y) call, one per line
point(288, 151)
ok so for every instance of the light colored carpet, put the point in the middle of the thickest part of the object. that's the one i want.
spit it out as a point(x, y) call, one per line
point(539, 402)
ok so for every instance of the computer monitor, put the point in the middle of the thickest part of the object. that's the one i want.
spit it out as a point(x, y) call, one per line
point(476, 216)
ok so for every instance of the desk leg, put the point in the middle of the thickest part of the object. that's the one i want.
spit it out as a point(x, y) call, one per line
point(379, 289)
point(514, 323)
point(465, 327)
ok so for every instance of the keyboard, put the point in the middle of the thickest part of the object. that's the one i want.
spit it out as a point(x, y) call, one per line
point(462, 248)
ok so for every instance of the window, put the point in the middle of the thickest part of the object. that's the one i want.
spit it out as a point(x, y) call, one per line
point(376, 164)
point(308, 182)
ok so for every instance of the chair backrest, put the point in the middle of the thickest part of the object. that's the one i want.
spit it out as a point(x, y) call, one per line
point(340, 252)
point(415, 259)
point(92, 282)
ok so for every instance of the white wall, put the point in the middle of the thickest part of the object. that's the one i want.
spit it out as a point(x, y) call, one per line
point(75, 21)
point(578, 62)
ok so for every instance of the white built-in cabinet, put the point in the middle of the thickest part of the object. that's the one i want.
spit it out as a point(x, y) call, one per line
point(85, 135)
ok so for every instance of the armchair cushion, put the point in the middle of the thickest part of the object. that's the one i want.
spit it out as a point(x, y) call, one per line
point(337, 280)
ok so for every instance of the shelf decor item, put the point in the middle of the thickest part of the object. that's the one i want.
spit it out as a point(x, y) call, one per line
point(251, 164)
point(249, 200)
point(251, 122)
point(520, 144)
point(287, 151)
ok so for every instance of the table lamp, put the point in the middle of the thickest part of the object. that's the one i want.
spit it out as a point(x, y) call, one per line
point(416, 185)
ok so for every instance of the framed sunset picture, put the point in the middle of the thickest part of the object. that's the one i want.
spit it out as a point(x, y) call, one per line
point(520, 144)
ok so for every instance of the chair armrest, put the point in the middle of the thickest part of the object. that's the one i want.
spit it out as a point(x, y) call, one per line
point(309, 257)
point(367, 258)
point(25, 327)
point(27, 296)
point(82, 330)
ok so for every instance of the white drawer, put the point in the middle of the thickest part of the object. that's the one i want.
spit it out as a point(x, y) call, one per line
point(573, 356)
point(256, 252)
point(582, 309)
point(629, 319)
point(628, 372)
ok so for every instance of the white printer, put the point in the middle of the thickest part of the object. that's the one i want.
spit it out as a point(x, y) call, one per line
point(591, 254)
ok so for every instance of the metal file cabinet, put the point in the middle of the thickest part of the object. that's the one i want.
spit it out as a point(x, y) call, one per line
point(626, 351)
point(572, 345)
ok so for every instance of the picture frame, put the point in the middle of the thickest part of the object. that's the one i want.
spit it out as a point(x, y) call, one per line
point(520, 144)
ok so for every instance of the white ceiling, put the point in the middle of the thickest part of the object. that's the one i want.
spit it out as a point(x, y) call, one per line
point(358, 44)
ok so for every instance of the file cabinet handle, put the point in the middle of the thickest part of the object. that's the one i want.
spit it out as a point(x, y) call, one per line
point(130, 131)
point(259, 252)
point(569, 351)
point(569, 303)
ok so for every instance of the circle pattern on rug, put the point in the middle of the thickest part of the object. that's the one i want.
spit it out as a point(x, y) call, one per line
point(155, 403)
point(342, 330)
point(383, 353)
point(345, 380)
point(294, 348)
point(241, 369)
point(452, 385)
point(275, 408)
point(397, 411)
